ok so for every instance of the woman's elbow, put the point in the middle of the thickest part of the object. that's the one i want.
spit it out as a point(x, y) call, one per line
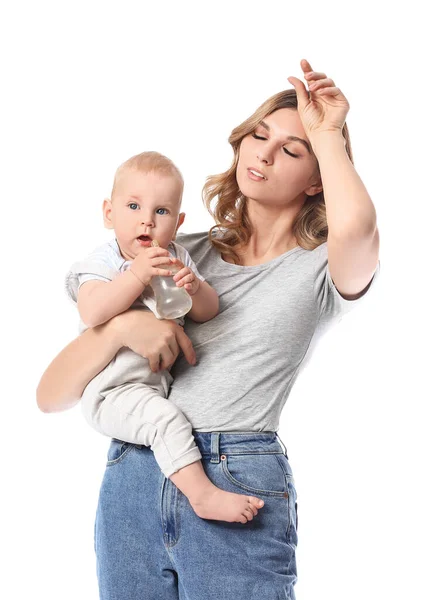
point(49, 404)
point(42, 401)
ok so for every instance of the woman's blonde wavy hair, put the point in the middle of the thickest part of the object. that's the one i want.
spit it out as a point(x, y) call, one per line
point(230, 212)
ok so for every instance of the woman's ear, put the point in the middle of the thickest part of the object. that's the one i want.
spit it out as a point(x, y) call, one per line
point(315, 186)
point(107, 209)
point(313, 190)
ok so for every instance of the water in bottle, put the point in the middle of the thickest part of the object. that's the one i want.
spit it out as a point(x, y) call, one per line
point(171, 301)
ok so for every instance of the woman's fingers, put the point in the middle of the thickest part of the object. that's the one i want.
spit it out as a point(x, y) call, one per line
point(186, 346)
point(312, 75)
point(321, 83)
point(171, 345)
point(168, 351)
point(158, 340)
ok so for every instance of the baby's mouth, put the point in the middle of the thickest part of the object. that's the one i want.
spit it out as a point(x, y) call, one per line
point(145, 238)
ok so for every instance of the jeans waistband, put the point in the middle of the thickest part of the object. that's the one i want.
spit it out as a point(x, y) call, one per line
point(212, 444)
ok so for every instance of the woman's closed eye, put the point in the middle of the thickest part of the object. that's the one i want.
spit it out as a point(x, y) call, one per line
point(258, 137)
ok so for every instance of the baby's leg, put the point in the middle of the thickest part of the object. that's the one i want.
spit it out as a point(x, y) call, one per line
point(136, 413)
point(140, 414)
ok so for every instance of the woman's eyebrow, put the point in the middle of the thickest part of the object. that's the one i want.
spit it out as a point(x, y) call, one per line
point(290, 138)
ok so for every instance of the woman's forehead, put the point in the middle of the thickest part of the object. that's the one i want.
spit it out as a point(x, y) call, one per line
point(285, 122)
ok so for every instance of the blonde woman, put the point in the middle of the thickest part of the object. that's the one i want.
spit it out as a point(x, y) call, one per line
point(295, 246)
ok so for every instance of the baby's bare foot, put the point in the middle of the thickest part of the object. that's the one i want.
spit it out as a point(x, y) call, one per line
point(215, 503)
point(210, 502)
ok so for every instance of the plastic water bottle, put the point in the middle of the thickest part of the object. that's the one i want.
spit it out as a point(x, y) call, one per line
point(171, 301)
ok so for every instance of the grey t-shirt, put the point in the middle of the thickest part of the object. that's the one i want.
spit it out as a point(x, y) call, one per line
point(250, 354)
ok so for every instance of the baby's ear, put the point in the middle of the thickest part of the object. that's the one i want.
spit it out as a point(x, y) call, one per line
point(107, 208)
point(180, 222)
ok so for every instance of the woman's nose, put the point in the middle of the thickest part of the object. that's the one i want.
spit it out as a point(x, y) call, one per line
point(264, 158)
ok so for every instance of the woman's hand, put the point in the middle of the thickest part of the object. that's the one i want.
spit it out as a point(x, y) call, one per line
point(61, 385)
point(158, 340)
point(325, 108)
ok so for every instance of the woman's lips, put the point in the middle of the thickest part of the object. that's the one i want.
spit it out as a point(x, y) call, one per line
point(254, 177)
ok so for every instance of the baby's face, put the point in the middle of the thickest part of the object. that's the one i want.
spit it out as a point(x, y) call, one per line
point(146, 206)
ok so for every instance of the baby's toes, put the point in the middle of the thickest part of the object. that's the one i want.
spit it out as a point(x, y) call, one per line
point(253, 510)
point(249, 514)
point(243, 519)
point(256, 501)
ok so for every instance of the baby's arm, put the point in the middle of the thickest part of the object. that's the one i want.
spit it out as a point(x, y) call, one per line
point(205, 302)
point(99, 301)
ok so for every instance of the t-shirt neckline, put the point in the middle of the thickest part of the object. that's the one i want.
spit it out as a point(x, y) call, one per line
point(260, 267)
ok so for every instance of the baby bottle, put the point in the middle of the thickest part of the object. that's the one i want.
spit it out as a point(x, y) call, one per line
point(171, 301)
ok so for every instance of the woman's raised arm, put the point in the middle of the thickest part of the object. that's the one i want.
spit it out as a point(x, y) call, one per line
point(63, 382)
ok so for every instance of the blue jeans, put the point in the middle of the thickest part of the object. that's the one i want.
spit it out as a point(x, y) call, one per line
point(150, 544)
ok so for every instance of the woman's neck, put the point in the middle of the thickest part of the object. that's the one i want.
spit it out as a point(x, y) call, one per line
point(262, 249)
point(271, 233)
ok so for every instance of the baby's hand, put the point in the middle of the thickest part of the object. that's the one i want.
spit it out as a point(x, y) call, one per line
point(186, 277)
point(146, 264)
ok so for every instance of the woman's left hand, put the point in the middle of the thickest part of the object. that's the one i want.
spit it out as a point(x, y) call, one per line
point(325, 109)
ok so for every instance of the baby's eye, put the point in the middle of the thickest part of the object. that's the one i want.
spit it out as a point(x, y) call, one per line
point(133, 206)
point(165, 211)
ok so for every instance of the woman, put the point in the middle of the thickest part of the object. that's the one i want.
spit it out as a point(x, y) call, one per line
point(291, 194)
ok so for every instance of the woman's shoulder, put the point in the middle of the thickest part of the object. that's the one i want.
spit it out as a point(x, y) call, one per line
point(184, 238)
point(197, 244)
point(193, 242)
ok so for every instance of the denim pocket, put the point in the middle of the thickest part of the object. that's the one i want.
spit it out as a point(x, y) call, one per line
point(256, 474)
point(292, 508)
point(117, 451)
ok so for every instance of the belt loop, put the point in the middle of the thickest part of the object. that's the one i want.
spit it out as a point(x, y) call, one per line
point(285, 449)
point(215, 447)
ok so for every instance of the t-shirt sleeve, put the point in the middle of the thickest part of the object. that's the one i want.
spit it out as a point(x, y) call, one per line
point(99, 265)
point(183, 255)
point(331, 304)
point(83, 277)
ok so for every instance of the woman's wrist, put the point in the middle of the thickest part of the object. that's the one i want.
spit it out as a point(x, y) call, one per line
point(114, 332)
point(122, 326)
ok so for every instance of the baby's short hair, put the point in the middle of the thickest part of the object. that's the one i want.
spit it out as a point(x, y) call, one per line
point(148, 162)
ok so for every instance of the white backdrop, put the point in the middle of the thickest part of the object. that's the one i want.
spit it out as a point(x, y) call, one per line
point(88, 84)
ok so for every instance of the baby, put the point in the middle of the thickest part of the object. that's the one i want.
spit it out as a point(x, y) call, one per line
point(127, 400)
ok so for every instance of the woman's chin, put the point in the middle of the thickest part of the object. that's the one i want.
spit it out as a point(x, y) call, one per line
point(250, 191)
